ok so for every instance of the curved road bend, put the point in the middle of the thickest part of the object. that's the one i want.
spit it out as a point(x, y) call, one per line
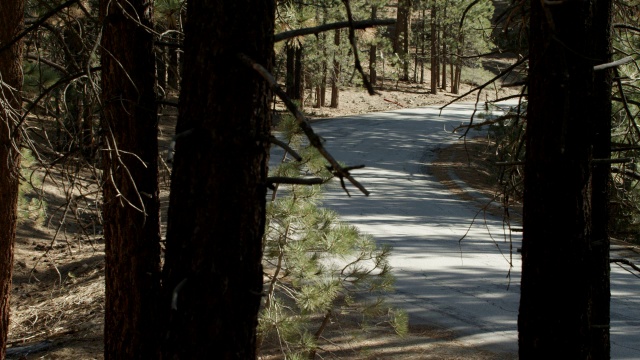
point(468, 287)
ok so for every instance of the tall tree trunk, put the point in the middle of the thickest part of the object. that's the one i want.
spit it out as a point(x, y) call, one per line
point(213, 272)
point(131, 196)
point(564, 316)
point(11, 24)
point(434, 50)
point(443, 83)
point(373, 49)
point(335, 91)
point(599, 267)
point(401, 38)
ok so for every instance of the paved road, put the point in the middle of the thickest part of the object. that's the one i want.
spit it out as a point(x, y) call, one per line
point(472, 286)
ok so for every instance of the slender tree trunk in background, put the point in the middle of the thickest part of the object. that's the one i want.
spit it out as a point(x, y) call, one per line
point(335, 91)
point(401, 38)
point(298, 77)
point(444, 52)
point(131, 196)
point(566, 316)
point(290, 73)
point(373, 49)
point(173, 75)
point(451, 72)
point(11, 24)
point(434, 50)
point(213, 272)
point(422, 44)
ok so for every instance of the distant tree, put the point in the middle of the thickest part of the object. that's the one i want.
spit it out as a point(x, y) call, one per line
point(213, 274)
point(564, 306)
point(131, 196)
point(11, 24)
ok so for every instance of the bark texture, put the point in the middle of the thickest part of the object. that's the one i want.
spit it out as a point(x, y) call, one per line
point(564, 293)
point(213, 271)
point(131, 196)
point(11, 23)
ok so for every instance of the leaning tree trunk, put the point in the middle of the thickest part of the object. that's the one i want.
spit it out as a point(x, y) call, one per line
point(213, 272)
point(11, 24)
point(131, 196)
point(564, 293)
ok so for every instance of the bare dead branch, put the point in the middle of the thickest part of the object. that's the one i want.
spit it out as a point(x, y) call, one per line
point(304, 124)
point(627, 26)
point(272, 180)
point(622, 61)
point(286, 35)
point(488, 122)
point(626, 262)
point(354, 46)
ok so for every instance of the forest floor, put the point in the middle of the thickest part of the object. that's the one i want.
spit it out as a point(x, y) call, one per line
point(57, 305)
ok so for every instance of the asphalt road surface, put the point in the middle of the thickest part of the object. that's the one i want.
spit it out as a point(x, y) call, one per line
point(471, 286)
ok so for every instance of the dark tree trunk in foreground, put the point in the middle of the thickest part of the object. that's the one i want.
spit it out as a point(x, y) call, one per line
point(600, 36)
point(565, 287)
point(213, 271)
point(130, 162)
point(11, 23)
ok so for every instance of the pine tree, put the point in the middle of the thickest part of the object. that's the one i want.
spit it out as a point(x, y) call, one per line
point(316, 267)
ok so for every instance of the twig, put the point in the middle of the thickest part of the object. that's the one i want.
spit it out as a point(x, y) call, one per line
point(304, 124)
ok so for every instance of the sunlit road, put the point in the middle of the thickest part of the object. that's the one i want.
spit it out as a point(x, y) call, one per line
point(466, 286)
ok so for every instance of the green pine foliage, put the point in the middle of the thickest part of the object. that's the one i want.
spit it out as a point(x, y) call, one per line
point(316, 267)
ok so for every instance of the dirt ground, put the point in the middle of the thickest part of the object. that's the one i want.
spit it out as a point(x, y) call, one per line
point(58, 291)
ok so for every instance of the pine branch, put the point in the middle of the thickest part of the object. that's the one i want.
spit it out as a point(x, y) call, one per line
point(287, 148)
point(304, 124)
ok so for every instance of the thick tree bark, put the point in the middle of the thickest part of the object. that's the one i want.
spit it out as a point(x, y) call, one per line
point(213, 272)
point(564, 292)
point(401, 38)
point(11, 23)
point(131, 197)
point(600, 35)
